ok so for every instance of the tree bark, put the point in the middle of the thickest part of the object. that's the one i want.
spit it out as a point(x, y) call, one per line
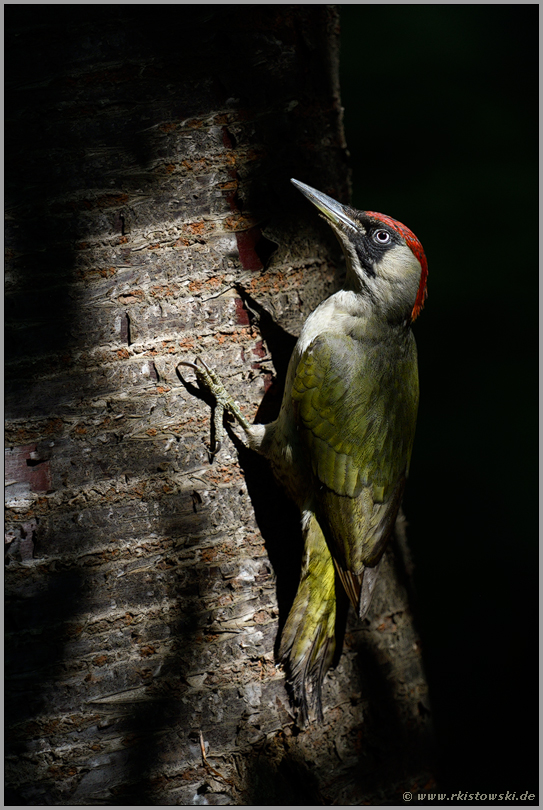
point(151, 220)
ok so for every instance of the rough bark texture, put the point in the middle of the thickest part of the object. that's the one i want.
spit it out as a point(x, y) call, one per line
point(150, 219)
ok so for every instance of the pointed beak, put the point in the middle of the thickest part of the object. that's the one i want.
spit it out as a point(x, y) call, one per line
point(331, 209)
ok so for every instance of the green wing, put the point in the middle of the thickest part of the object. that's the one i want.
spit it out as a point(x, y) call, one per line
point(356, 404)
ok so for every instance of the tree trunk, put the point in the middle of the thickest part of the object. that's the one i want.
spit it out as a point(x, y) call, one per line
point(151, 220)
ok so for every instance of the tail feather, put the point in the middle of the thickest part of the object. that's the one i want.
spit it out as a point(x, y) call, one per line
point(368, 586)
point(308, 638)
point(352, 583)
point(359, 587)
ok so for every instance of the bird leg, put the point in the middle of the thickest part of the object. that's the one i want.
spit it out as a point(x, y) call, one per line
point(210, 380)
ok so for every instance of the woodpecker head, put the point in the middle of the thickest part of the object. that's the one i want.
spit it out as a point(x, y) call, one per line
point(385, 260)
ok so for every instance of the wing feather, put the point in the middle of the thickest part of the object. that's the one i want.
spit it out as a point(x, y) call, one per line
point(356, 410)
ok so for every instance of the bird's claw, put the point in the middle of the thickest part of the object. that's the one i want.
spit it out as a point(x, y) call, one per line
point(210, 380)
point(196, 367)
point(190, 365)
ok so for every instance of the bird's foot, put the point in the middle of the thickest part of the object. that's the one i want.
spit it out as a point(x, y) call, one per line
point(210, 380)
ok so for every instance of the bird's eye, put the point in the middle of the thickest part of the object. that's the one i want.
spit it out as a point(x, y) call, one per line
point(381, 237)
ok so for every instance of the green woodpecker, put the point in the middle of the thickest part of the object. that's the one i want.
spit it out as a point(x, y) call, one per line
point(342, 442)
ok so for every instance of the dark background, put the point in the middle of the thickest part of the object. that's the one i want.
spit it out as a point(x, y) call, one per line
point(441, 123)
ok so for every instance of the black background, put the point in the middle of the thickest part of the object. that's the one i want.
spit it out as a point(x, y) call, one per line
point(441, 123)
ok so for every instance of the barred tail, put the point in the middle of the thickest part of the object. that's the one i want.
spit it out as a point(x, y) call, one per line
point(308, 640)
